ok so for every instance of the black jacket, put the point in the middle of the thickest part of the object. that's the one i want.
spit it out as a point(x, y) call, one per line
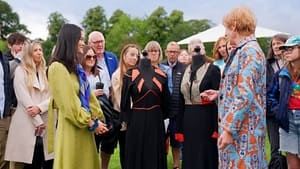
point(13, 63)
point(7, 85)
point(176, 101)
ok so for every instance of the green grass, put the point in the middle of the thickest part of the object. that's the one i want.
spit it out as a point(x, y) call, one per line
point(115, 162)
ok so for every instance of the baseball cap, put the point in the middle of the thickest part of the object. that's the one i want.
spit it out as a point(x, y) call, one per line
point(292, 41)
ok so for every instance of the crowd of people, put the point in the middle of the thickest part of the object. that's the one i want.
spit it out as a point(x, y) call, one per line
point(214, 112)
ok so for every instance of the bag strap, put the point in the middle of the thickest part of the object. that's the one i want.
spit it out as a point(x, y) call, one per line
point(98, 67)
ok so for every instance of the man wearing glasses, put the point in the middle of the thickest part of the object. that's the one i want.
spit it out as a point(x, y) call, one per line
point(172, 52)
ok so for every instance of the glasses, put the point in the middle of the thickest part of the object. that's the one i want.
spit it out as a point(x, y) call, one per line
point(90, 57)
point(289, 49)
point(98, 42)
point(172, 51)
point(154, 51)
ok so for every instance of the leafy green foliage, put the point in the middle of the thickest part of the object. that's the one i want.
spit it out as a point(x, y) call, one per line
point(48, 46)
point(55, 22)
point(9, 21)
point(3, 46)
point(95, 20)
point(157, 26)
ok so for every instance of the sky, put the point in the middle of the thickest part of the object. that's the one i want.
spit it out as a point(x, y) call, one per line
point(279, 15)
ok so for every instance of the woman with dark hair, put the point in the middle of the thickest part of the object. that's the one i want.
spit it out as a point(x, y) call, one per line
point(79, 113)
point(274, 63)
point(89, 64)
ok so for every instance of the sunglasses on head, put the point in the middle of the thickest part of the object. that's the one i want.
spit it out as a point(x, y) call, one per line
point(90, 57)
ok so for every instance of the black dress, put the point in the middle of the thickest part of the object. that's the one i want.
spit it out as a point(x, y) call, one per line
point(147, 90)
point(199, 120)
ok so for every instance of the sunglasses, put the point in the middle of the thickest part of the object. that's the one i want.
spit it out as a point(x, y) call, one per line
point(89, 57)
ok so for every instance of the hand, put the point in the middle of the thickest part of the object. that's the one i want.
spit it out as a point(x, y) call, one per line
point(17, 53)
point(225, 139)
point(98, 92)
point(101, 129)
point(39, 130)
point(33, 110)
point(209, 95)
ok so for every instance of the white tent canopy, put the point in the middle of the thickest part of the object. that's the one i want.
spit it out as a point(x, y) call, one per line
point(212, 34)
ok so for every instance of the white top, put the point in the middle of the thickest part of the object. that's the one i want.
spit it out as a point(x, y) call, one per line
point(104, 76)
point(116, 89)
point(93, 80)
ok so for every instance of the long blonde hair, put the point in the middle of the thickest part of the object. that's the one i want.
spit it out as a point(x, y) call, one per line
point(31, 68)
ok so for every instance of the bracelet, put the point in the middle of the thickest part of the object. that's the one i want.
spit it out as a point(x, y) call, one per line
point(95, 125)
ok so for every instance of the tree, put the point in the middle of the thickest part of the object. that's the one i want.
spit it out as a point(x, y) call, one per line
point(9, 21)
point(123, 30)
point(175, 18)
point(157, 26)
point(175, 21)
point(115, 18)
point(95, 20)
point(188, 28)
point(55, 22)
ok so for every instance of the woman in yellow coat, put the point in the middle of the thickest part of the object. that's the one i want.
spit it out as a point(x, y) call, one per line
point(79, 113)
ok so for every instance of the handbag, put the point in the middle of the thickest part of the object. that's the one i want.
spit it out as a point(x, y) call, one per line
point(111, 117)
point(278, 162)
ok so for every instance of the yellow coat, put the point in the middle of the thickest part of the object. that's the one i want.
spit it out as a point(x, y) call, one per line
point(74, 145)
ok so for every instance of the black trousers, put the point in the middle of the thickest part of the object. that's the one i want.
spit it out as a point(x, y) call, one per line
point(38, 161)
point(273, 133)
point(122, 136)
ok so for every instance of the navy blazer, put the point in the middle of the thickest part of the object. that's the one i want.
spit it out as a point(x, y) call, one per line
point(278, 97)
point(111, 62)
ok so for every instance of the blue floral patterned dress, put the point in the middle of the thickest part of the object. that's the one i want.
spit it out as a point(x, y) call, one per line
point(242, 107)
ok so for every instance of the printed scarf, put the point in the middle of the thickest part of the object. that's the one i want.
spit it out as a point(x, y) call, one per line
point(84, 88)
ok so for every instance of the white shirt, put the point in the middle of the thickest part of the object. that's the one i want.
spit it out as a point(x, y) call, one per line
point(92, 81)
point(104, 76)
point(2, 95)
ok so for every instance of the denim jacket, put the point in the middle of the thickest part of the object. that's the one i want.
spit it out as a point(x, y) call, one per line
point(278, 97)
